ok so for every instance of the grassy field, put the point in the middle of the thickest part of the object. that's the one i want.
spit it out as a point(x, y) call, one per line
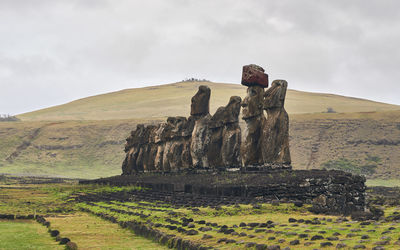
point(91, 232)
point(159, 102)
point(272, 225)
point(25, 235)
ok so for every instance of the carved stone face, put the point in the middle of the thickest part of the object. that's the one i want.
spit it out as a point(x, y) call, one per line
point(201, 101)
point(252, 104)
point(274, 97)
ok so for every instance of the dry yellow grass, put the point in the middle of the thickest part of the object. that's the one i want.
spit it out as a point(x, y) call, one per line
point(174, 100)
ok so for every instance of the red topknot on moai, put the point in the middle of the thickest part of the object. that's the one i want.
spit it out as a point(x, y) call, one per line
point(254, 75)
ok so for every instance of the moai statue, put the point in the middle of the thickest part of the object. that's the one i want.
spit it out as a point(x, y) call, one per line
point(178, 143)
point(232, 135)
point(132, 149)
point(225, 136)
point(168, 134)
point(143, 151)
point(160, 143)
point(148, 163)
point(252, 113)
point(276, 128)
point(200, 108)
point(187, 140)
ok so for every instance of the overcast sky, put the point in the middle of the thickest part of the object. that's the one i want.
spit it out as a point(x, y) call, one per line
point(52, 52)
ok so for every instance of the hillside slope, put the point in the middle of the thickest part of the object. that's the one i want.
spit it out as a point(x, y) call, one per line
point(90, 149)
point(158, 102)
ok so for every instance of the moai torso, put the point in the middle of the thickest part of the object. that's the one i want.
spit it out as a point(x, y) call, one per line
point(276, 128)
point(200, 136)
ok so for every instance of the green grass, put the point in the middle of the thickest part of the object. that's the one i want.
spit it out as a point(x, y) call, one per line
point(231, 216)
point(384, 183)
point(25, 235)
point(91, 232)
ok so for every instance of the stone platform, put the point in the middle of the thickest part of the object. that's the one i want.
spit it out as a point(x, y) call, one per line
point(331, 192)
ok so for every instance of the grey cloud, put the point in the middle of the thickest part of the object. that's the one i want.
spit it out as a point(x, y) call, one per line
point(58, 51)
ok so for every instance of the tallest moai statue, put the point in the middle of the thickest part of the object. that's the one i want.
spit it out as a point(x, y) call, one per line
point(266, 139)
point(252, 113)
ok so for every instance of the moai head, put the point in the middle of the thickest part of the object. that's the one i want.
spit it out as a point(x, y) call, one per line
point(233, 110)
point(253, 102)
point(152, 132)
point(201, 101)
point(168, 131)
point(160, 133)
point(179, 126)
point(227, 114)
point(254, 75)
point(138, 134)
point(274, 97)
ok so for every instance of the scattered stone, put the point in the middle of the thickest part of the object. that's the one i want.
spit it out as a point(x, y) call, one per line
point(341, 245)
point(359, 247)
point(326, 244)
point(71, 246)
point(292, 220)
point(205, 229)
point(192, 232)
point(250, 244)
point(274, 247)
point(221, 240)
point(332, 238)
point(261, 247)
point(382, 243)
point(64, 241)
point(317, 237)
point(365, 236)
point(303, 235)
point(294, 242)
point(298, 203)
point(207, 236)
point(54, 233)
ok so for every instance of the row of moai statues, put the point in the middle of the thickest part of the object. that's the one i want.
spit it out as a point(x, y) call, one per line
point(202, 141)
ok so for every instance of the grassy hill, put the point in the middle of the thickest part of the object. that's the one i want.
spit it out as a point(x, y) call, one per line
point(174, 100)
point(85, 138)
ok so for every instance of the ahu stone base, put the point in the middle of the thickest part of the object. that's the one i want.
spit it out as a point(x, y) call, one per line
point(329, 192)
